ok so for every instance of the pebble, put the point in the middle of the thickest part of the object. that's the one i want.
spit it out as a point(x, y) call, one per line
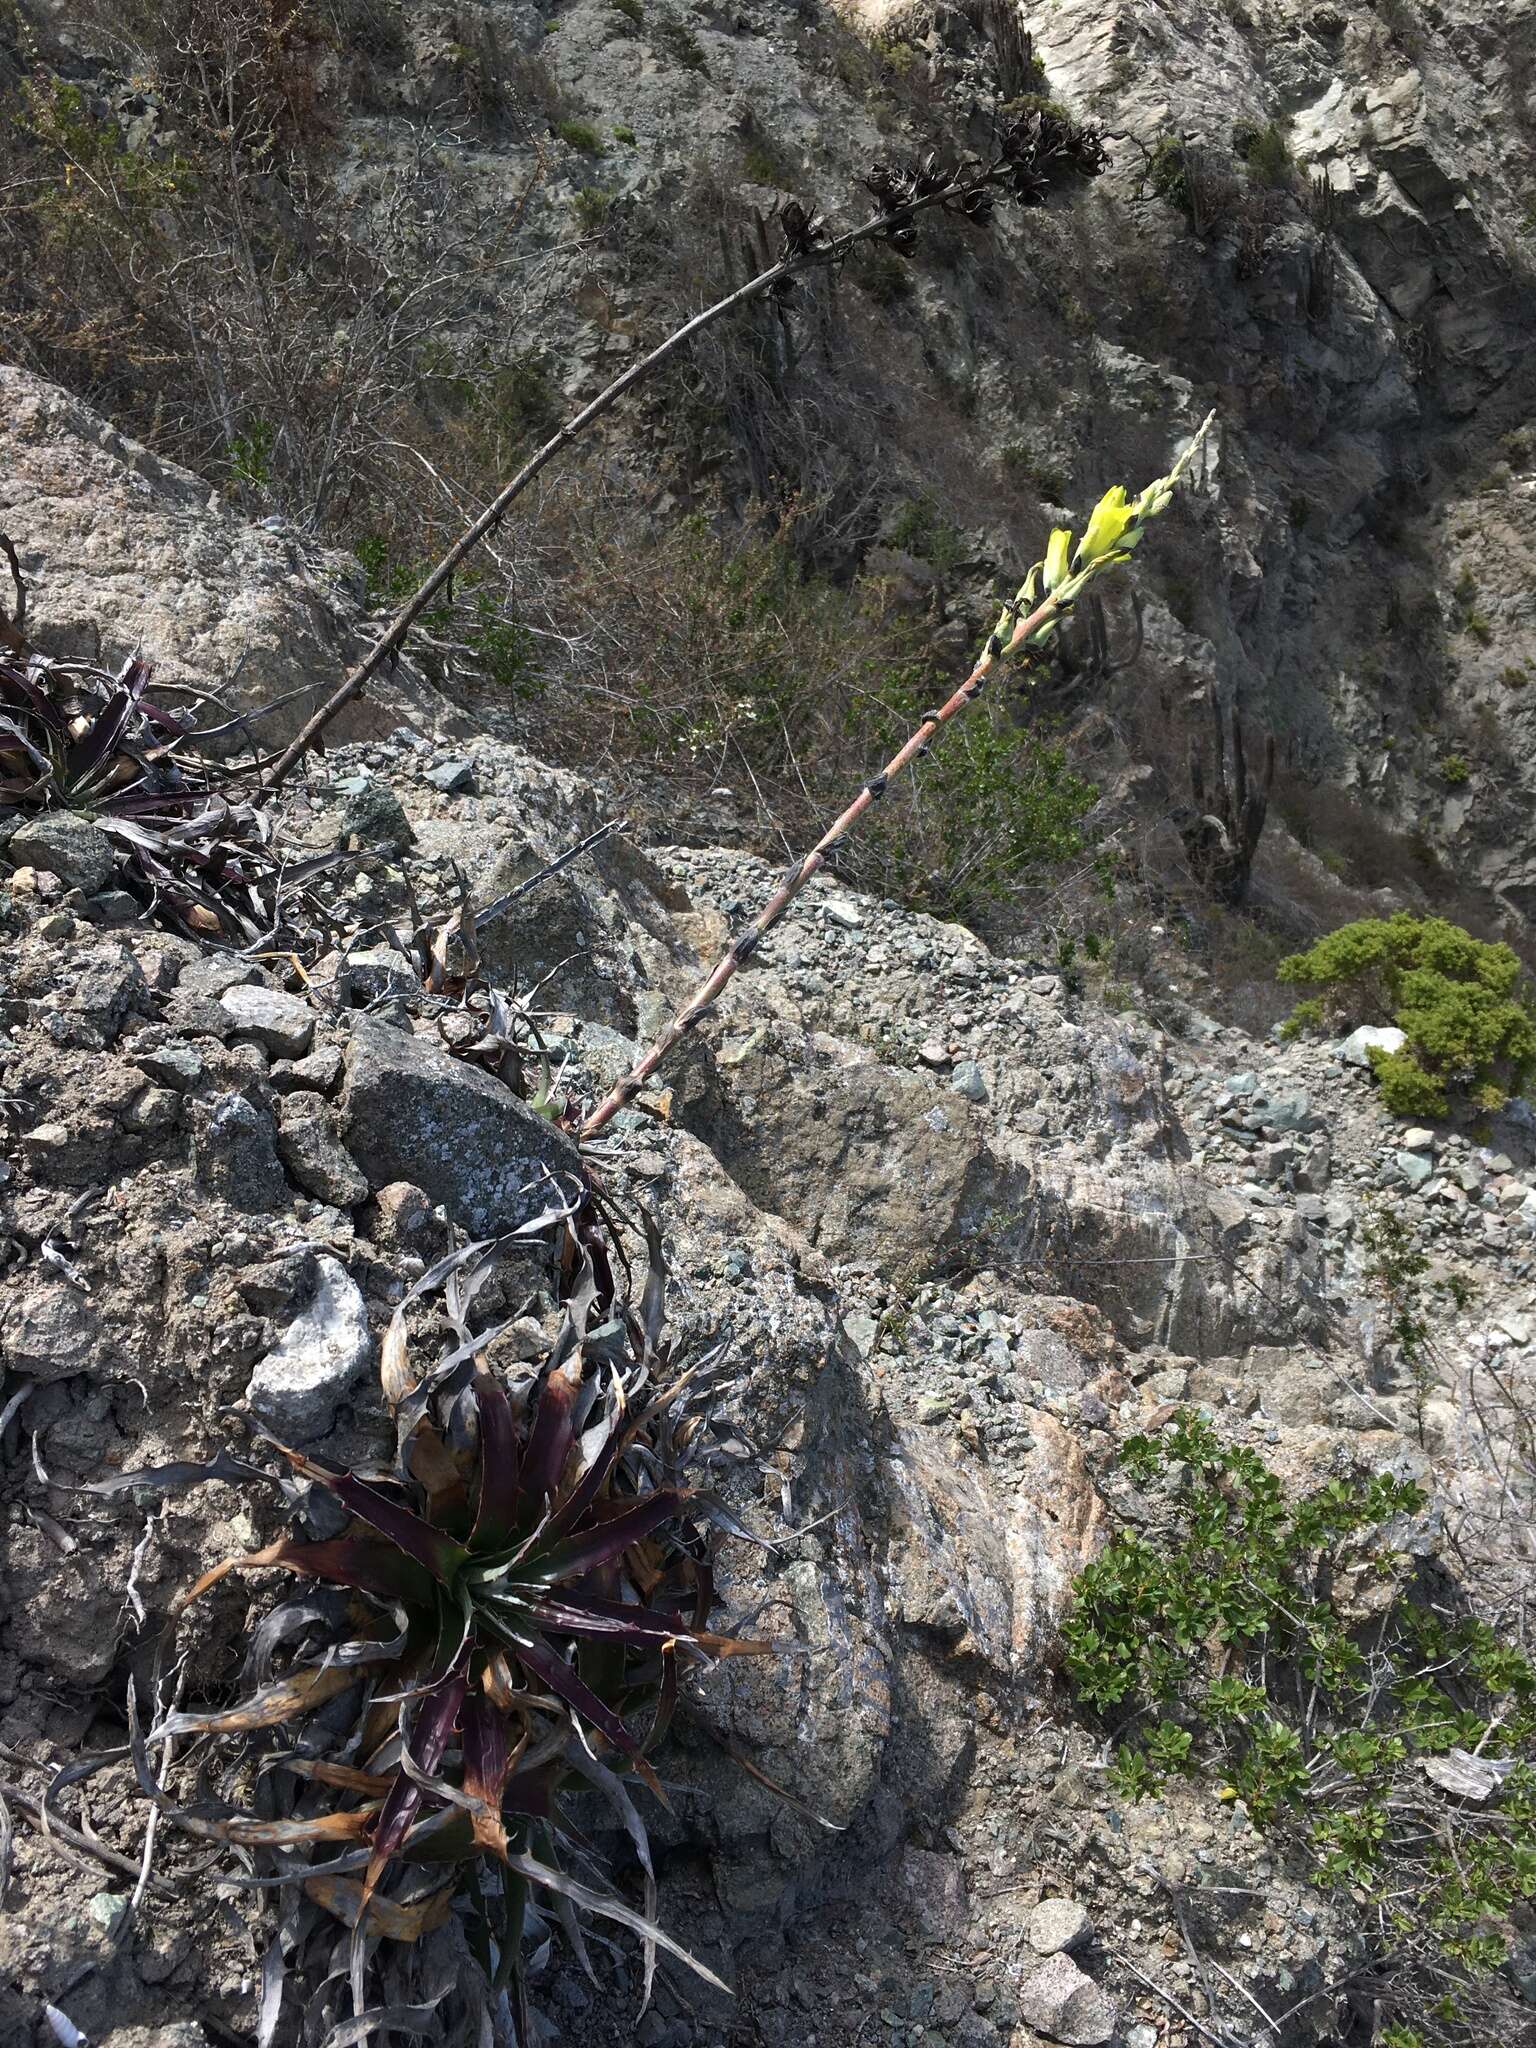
point(1058, 1925)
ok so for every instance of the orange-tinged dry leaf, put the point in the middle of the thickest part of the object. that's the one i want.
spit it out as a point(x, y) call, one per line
point(300, 1694)
point(395, 1376)
point(343, 1897)
point(202, 920)
point(345, 1777)
point(279, 1834)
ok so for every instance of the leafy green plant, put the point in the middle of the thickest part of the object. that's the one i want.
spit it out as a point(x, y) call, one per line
point(764, 162)
point(883, 275)
point(1280, 1647)
point(1166, 171)
point(681, 45)
point(250, 454)
point(1458, 999)
point(580, 135)
point(622, 132)
point(517, 1597)
point(1022, 466)
point(592, 207)
point(1455, 769)
point(1267, 155)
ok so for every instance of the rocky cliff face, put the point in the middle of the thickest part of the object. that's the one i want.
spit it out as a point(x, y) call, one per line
point(967, 1229)
point(969, 1226)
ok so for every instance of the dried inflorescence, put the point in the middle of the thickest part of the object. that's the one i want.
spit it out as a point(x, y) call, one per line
point(514, 1599)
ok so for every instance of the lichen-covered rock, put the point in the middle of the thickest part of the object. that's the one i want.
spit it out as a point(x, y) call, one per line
point(71, 847)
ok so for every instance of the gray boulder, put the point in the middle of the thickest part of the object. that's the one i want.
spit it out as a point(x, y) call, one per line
point(411, 1112)
point(74, 849)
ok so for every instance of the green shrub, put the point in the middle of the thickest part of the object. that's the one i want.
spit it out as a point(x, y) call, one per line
point(580, 135)
point(1268, 156)
point(1282, 1648)
point(1167, 174)
point(1469, 1025)
point(1023, 467)
point(884, 275)
point(682, 45)
point(763, 162)
point(592, 207)
point(1455, 769)
point(623, 132)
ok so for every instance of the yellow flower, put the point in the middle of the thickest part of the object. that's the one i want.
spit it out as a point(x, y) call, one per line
point(1056, 557)
point(1111, 516)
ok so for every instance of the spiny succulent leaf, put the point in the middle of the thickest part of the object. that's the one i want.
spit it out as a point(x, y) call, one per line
point(589, 1548)
point(429, 1739)
point(500, 1468)
point(430, 1547)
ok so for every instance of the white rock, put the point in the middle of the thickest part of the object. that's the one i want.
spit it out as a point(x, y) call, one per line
point(1418, 1140)
point(318, 1360)
point(1064, 2005)
point(1057, 1925)
point(1356, 1050)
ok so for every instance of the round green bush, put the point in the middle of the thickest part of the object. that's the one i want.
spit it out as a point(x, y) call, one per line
point(1458, 1000)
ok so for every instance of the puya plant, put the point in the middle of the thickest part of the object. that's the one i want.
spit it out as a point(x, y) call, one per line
point(501, 1625)
point(1290, 1652)
point(1025, 633)
point(193, 844)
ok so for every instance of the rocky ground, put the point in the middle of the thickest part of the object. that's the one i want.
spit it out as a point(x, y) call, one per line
point(968, 1228)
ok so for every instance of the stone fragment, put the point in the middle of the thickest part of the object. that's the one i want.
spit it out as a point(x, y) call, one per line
point(313, 1154)
point(317, 1071)
point(1414, 1167)
point(1418, 1139)
point(1314, 1166)
point(318, 1362)
point(373, 819)
point(1289, 1112)
point(843, 911)
point(50, 1330)
point(453, 778)
point(400, 1218)
point(1229, 1212)
point(237, 1153)
point(78, 852)
point(282, 1024)
point(1064, 2005)
point(933, 1052)
point(153, 1109)
point(969, 1081)
point(935, 1888)
point(173, 1066)
point(411, 1112)
point(213, 973)
point(1058, 1925)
